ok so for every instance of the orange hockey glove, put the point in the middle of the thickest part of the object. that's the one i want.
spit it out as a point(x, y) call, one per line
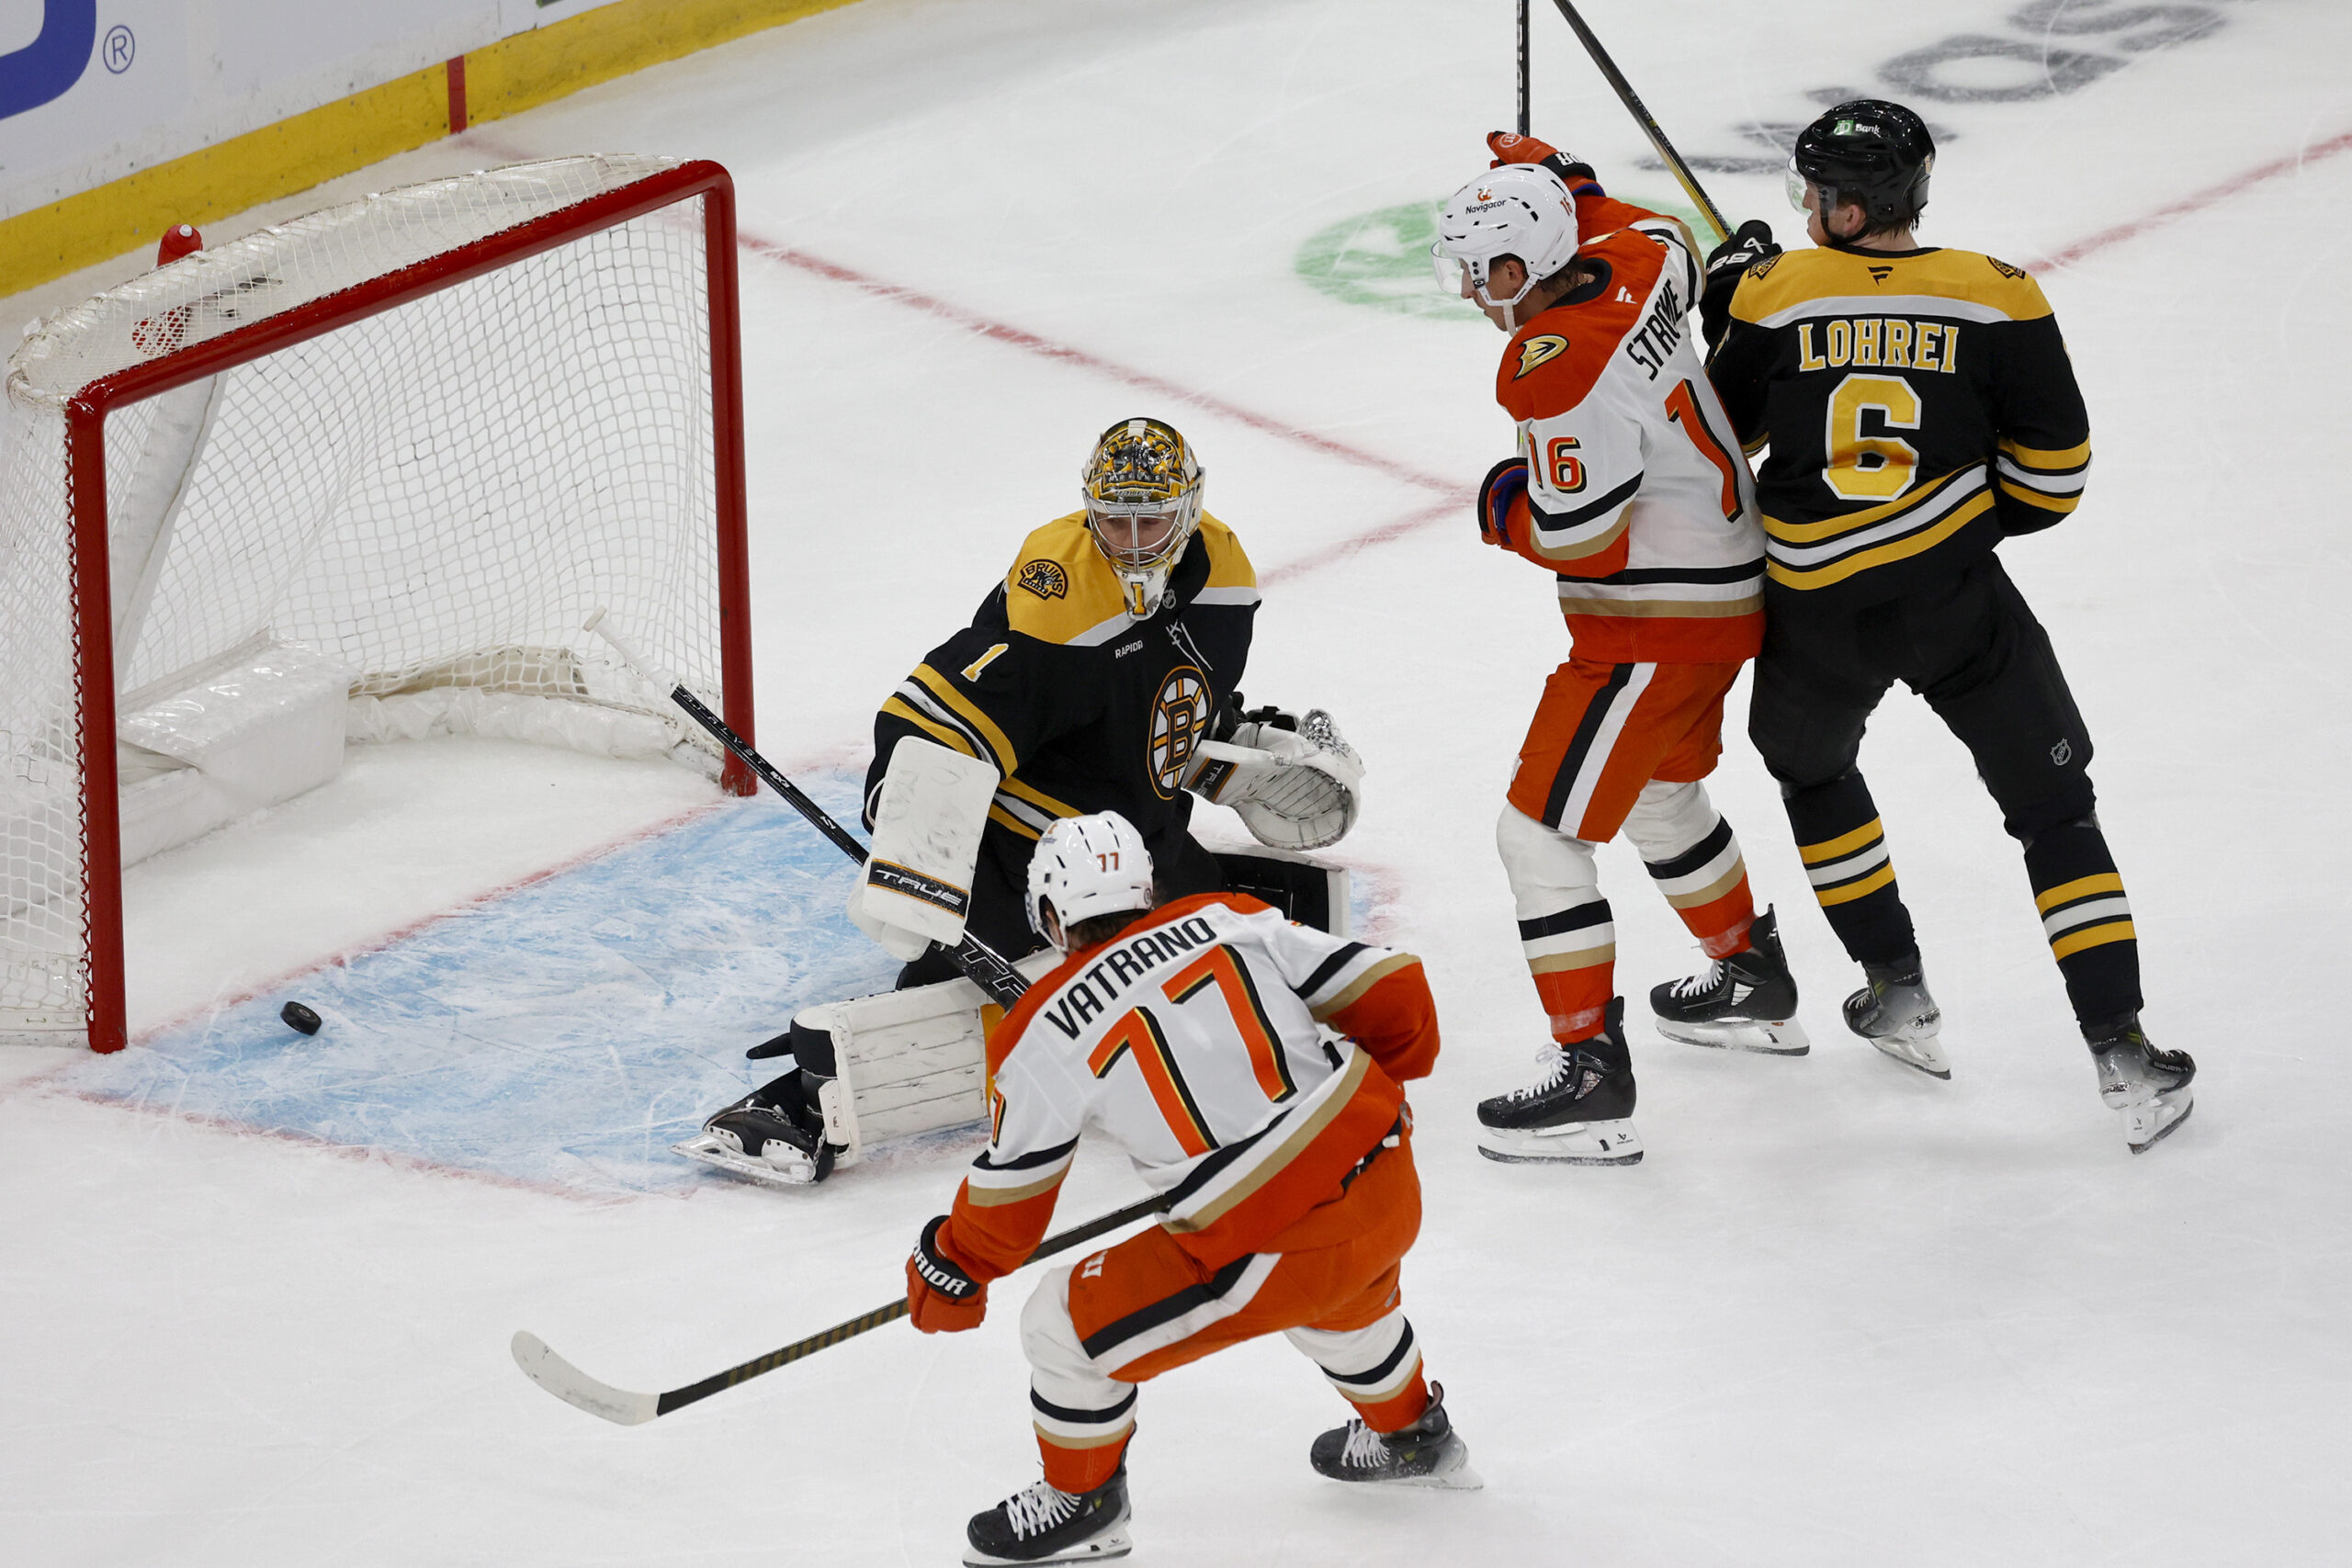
point(941, 1297)
point(1510, 149)
point(1505, 484)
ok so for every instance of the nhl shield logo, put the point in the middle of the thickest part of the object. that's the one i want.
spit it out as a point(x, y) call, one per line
point(1179, 722)
point(2062, 753)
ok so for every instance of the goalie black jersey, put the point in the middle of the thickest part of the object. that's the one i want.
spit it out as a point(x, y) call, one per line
point(1920, 406)
point(1079, 705)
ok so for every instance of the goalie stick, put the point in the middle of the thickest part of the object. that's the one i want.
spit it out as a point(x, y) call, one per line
point(627, 1408)
point(1633, 102)
point(983, 963)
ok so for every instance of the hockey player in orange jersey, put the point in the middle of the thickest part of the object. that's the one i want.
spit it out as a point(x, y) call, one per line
point(1629, 489)
point(1189, 1033)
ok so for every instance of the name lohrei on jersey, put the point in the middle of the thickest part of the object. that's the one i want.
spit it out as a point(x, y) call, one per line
point(1887, 343)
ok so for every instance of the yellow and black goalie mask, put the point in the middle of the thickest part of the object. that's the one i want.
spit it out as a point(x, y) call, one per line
point(1142, 485)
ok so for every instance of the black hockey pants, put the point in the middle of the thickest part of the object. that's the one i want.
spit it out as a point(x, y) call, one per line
point(1973, 650)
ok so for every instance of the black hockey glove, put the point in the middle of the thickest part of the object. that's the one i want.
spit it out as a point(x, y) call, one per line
point(1505, 484)
point(941, 1297)
point(1231, 716)
point(1510, 149)
point(1726, 263)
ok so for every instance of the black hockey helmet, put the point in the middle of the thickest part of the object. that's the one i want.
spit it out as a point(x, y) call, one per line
point(1868, 152)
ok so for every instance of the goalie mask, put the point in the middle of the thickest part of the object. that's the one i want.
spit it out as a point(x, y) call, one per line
point(1142, 487)
point(1520, 211)
point(1086, 866)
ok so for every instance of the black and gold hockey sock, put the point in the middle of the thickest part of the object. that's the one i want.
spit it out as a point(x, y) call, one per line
point(1844, 850)
point(2088, 920)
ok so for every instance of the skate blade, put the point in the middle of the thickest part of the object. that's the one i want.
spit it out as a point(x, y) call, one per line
point(1920, 1052)
point(1101, 1549)
point(1767, 1037)
point(1578, 1143)
point(2145, 1126)
point(710, 1151)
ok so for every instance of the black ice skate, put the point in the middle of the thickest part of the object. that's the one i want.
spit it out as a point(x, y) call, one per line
point(774, 1134)
point(1578, 1112)
point(2148, 1086)
point(1430, 1452)
point(1895, 1013)
point(1746, 1003)
point(1042, 1523)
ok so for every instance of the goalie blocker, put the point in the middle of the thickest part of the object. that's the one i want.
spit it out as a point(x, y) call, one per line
point(874, 1069)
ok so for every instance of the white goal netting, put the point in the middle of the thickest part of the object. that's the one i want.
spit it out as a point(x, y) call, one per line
point(394, 527)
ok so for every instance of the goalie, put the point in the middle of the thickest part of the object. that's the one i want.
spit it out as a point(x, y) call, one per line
point(1099, 674)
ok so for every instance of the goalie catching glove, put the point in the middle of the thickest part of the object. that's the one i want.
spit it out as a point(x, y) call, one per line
point(1294, 780)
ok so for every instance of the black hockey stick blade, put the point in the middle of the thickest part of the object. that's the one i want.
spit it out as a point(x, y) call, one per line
point(626, 1408)
point(982, 964)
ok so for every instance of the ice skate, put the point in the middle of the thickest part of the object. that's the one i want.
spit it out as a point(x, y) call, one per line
point(1745, 1002)
point(1895, 1013)
point(772, 1134)
point(1042, 1523)
point(2148, 1086)
point(1430, 1452)
point(1578, 1112)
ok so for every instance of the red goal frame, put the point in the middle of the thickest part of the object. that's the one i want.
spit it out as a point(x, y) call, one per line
point(86, 416)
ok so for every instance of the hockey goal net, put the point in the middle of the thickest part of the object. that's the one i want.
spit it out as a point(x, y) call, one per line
point(366, 472)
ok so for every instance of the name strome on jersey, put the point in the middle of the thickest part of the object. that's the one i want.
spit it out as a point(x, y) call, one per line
point(1638, 500)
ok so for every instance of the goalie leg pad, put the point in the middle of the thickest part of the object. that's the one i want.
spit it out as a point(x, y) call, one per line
point(904, 1062)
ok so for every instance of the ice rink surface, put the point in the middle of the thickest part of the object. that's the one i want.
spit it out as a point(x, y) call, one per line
point(1841, 1315)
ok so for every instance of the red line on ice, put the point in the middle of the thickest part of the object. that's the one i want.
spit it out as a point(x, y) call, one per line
point(2195, 202)
point(1143, 380)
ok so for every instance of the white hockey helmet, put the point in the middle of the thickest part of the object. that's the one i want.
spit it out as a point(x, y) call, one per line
point(1519, 209)
point(1142, 485)
point(1086, 866)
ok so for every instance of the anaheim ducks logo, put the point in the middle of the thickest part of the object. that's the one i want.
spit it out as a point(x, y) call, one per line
point(1540, 351)
point(1179, 722)
point(2004, 269)
point(1046, 579)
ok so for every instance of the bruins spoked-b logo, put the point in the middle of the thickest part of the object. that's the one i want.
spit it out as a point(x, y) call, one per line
point(1179, 722)
point(1044, 577)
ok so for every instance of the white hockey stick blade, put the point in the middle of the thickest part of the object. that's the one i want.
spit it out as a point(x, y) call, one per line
point(799, 1171)
point(576, 1388)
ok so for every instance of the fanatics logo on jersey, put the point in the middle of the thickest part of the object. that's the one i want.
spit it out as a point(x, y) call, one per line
point(1881, 274)
point(1540, 351)
point(1046, 579)
point(1179, 722)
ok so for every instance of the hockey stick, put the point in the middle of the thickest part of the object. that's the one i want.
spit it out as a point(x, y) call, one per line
point(983, 964)
point(1522, 69)
point(1633, 102)
point(576, 1388)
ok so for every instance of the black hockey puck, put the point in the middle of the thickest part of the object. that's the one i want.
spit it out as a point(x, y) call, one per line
point(300, 1018)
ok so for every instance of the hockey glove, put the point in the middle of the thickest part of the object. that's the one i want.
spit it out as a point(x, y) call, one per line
point(1295, 788)
point(941, 1297)
point(1510, 149)
point(1506, 484)
point(1726, 263)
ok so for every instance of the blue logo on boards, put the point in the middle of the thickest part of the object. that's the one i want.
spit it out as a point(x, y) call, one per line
point(47, 68)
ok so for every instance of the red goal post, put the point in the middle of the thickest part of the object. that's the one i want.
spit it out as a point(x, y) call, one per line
point(373, 465)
